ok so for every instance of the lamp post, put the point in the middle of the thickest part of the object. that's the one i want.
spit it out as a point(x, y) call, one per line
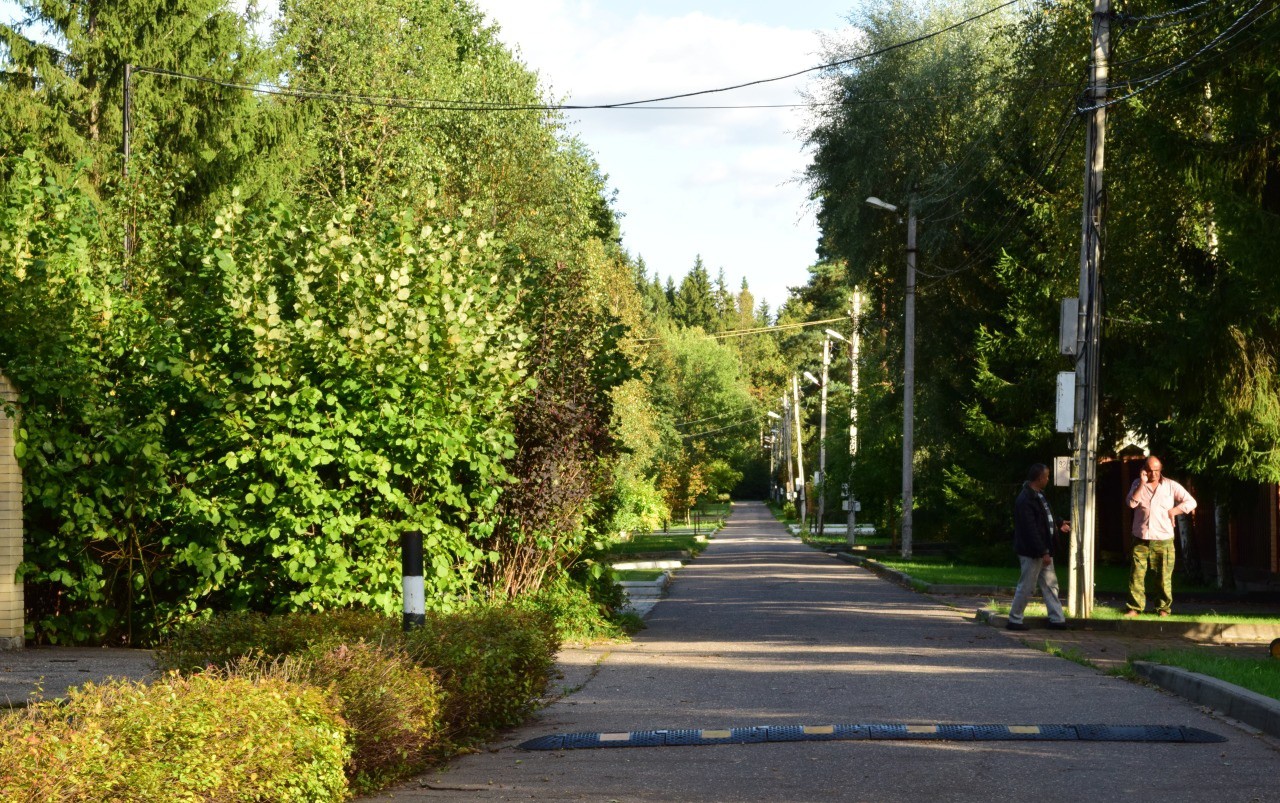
point(909, 369)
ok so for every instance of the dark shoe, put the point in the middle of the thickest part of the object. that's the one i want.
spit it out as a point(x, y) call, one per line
point(1130, 614)
point(1162, 613)
point(1017, 626)
point(1057, 625)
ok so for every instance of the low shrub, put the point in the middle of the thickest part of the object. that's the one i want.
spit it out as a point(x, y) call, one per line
point(581, 611)
point(204, 737)
point(219, 640)
point(391, 705)
point(494, 663)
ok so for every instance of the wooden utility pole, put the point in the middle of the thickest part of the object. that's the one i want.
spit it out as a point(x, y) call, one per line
point(853, 412)
point(786, 447)
point(822, 436)
point(909, 389)
point(1088, 332)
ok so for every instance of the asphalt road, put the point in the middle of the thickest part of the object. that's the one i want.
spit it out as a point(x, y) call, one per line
point(761, 630)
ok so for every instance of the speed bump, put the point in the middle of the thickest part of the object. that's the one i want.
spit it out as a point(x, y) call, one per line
point(878, 731)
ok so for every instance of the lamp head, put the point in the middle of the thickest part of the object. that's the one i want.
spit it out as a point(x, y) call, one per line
point(836, 335)
point(772, 414)
point(879, 204)
point(812, 378)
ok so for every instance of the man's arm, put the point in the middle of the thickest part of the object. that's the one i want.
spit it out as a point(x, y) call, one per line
point(1139, 495)
point(1183, 501)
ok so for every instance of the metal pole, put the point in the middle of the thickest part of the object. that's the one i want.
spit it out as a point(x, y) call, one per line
point(1084, 514)
point(415, 597)
point(909, 385)
point(853, 413)
point(800, 494)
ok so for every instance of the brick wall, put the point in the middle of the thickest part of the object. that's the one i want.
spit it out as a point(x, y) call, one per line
point(11, 616)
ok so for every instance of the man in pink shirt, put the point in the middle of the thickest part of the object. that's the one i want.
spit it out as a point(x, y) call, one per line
point(1156, 501)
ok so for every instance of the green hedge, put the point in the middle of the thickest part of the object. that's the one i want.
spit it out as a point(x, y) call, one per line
point(283, 708)
point(205, 737)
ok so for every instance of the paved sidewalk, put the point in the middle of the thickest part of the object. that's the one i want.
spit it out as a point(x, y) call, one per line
point(762, 630)
point(47, 672)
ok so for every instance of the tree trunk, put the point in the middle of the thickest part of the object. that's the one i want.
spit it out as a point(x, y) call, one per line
point(1222, 543)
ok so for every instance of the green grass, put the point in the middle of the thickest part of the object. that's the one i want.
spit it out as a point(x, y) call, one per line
point(1069, 653)
point(647, 575)
point(1261, 675)
point(839, 539)
point(1106, 612)
point(940, 570)
point(658, 543)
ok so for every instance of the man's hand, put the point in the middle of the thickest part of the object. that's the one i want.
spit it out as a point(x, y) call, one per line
point(1048, 560)
point(1065, 527)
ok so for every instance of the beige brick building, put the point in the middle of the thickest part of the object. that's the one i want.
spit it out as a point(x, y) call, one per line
point(11, 614)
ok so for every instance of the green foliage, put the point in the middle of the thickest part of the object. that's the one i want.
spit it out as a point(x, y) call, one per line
point(584, 609)
point(493, 663)
point(220, 640)
point(257, 415)
point(202, 737)
point(391, 705)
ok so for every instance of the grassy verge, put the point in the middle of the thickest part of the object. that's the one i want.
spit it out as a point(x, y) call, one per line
point(645, 575)
point(944, 571)
point(1261, 675)
point(1106, 612)
point(657, 543)
point(939, 571)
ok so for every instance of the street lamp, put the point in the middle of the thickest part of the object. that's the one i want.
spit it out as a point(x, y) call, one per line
point(909, 365)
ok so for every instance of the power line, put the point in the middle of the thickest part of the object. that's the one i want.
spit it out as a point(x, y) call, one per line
point(755, 330)
point(1226, 34)
point(439, 104)
point(739, 411)
point(721, 429)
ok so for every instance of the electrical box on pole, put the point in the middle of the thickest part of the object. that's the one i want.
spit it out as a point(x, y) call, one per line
point(1065, 408)
point(1069, 327)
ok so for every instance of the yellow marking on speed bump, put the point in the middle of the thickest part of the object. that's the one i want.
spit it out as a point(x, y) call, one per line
point(615, 737)
point(922, 729)
point(1024, 728)
point(715, 734)
point(818, 730)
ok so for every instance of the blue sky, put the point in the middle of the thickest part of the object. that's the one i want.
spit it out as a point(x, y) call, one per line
point(722, 183)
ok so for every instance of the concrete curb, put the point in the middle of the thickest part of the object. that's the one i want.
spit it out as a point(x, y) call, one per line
point(1249, 707)
point(1203, 632)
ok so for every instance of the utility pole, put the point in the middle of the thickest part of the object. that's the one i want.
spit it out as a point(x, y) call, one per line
point(853, 411)
point(1084, 490)
point(822, 437)
point(786, 446)
point(801, 502)
point(909, 386)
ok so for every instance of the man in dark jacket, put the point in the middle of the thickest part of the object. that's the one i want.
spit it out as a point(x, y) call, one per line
point(1035, 533)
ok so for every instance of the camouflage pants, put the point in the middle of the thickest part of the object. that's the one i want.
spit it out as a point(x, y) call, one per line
point(1156, 556)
